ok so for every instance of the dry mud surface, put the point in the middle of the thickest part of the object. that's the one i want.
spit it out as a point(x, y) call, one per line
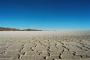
point(44, 45)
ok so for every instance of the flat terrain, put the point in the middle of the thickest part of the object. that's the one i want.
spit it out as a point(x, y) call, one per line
point(44, 45)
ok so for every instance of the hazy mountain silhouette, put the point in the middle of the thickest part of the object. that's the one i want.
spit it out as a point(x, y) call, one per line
point(15, 29)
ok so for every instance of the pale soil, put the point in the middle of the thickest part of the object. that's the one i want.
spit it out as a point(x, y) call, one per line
point(44, 45)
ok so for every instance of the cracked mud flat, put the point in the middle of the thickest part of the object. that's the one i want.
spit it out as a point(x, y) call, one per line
point(44, 45)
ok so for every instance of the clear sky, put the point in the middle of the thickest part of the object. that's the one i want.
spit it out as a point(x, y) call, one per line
point(45, 14)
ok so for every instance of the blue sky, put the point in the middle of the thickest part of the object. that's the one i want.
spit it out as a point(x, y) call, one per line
point(45, 14)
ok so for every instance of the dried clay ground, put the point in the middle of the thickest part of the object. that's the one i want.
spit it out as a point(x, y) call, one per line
point(44, 45)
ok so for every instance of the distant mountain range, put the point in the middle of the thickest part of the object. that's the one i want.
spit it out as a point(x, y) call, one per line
point(15, 29)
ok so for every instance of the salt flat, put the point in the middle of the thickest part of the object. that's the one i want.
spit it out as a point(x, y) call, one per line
point(44, 45)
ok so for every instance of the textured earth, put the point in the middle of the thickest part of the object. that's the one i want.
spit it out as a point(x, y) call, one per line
point(45, 45)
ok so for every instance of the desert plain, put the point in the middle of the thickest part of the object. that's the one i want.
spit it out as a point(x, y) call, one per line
point(44, 45)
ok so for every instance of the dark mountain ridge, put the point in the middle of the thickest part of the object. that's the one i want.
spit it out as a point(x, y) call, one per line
point(15, 29)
